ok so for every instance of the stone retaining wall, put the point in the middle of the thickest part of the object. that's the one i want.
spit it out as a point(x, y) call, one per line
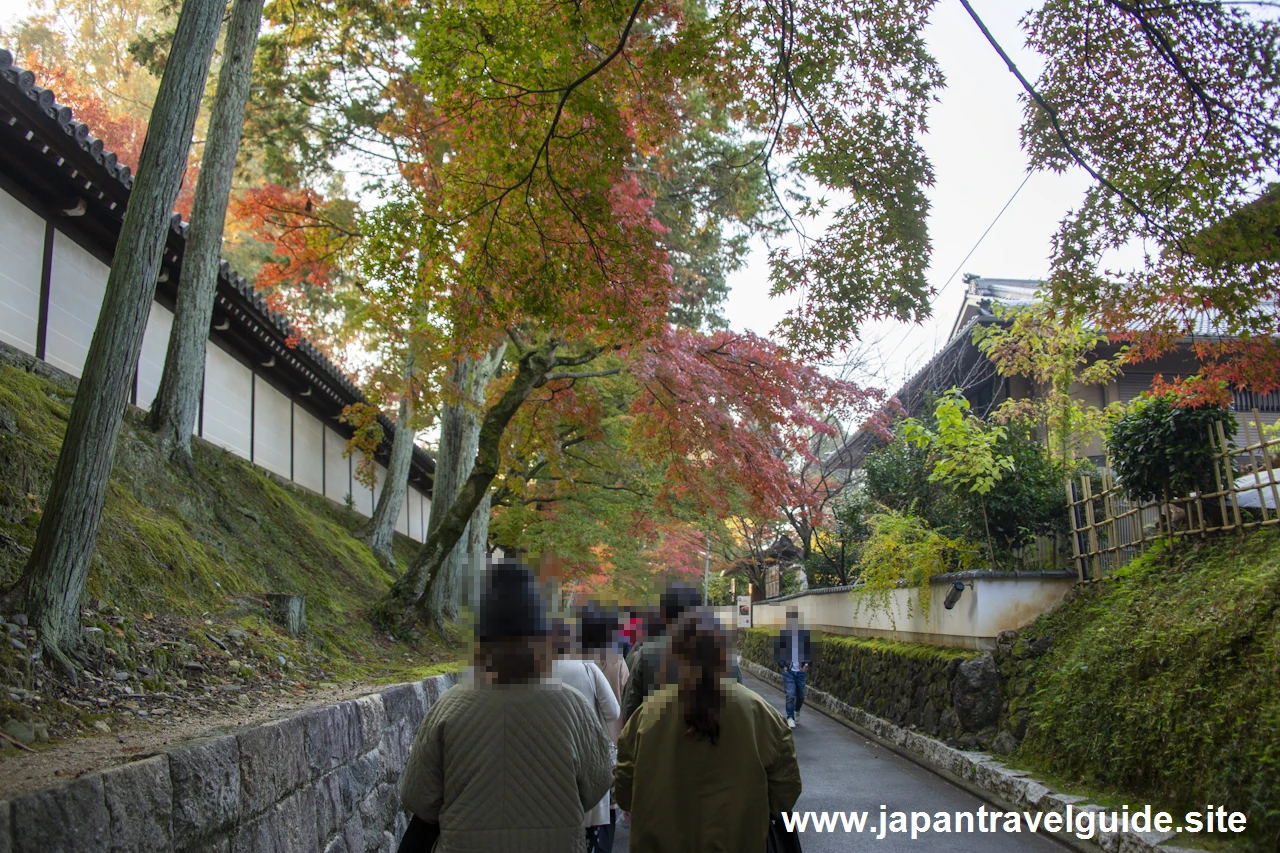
point(323, 780)
point(943, 692)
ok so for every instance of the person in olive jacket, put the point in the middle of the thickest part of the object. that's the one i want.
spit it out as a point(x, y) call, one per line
point(705, 761)
point(511, 761)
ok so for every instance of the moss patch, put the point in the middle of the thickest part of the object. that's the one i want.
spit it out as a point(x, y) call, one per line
point(1164, 683)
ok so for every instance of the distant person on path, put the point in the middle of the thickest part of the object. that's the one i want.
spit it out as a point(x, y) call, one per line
point(598, 630)
point(589, 680)
point(646, 661)
point(705, 762)
point(511, 761)
point(793, 652)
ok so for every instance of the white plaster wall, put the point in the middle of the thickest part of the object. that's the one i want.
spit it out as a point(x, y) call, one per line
point(337, 468)
point(22, 248)
point(413, 503)
point(380, 480)
point(272, 448)
point(155, 345)
point(77, 283)
point(992, 605)
point(360, 493)
point(228, 392)
point(308, 450)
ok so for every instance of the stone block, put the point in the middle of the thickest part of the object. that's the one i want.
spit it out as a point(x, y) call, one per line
point(365, 774)
point(337, 845)
point(205, 778)
point(378, 813)
point(373, 721)
point(405, 707)
point(139, 800)
point(288, 826)
point(332, 737)
point(353, 834)
point(330, 811)
point(273, 764)
point(70, 818)
point(975, 695)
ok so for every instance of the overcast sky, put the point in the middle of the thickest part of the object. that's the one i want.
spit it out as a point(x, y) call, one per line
point(973, 143)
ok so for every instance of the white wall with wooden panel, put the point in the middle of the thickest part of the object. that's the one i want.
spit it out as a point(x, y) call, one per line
point(308, 450)
point(22, 247)
point(155, 345)
point(272, 428)
point(337, 468)
point(228, 402)
point(77, 282)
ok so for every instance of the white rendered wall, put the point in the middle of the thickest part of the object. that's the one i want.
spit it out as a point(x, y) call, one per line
point(22, 247)
point(155, 345)
point(228, 392)
point(991, 605)
point(337, 468)
point(308, 450)
point(77, 283)
point(271, 417)
point(361, 494)
point(413, 500)
point(380, 481)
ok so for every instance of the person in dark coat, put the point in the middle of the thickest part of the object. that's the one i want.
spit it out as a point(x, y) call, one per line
point(793, 652)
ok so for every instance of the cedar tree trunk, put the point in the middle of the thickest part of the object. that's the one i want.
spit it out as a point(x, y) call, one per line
point(177, 403)
point(54, 577)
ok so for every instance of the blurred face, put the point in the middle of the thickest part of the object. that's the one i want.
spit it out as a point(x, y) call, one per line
point(793, 618)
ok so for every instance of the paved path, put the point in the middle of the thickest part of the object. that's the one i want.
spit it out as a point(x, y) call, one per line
point(842, 771)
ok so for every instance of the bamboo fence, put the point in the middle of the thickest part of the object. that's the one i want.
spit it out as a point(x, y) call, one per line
point(1108, 530)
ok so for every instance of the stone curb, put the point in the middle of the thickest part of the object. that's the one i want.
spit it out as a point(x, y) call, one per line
point(978, 773)
point(321, 779)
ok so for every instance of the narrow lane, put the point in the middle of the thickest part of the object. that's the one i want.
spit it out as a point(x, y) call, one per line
point(843, 771)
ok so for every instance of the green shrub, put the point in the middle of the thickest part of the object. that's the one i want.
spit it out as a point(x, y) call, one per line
point(904, 550)
point(1159, 447)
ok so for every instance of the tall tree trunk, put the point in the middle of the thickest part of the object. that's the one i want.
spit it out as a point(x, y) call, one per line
point(177, 403)
point(412, 591)
point(459, 440)
point(54, 577)
point(380, 531)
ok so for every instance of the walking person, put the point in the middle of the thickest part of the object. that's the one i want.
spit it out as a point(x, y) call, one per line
point(705, 761)
point(646, 660)
point(510, 761)
point(793, 652)
point(585, 676)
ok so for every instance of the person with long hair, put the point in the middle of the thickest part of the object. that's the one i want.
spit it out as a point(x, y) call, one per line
point(511, 760)
point(704, 762)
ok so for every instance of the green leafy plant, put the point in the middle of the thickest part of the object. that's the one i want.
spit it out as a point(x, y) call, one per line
point(964, 450)
point(903, 551)
point(1160, 449)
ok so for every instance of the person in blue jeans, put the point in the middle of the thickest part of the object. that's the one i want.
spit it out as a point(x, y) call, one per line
point(793, 652)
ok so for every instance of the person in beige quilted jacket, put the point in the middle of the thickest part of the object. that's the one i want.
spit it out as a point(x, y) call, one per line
point(509, 761)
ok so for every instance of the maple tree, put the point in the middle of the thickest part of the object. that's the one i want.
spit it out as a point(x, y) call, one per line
point(1171, 109)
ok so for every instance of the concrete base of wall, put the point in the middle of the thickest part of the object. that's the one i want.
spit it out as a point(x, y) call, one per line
point(977, 772)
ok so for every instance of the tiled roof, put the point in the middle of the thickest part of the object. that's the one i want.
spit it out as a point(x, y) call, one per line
point(93, 170)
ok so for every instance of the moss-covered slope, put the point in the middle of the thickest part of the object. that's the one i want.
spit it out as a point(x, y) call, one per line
point(200, 547)
point(1164, 683)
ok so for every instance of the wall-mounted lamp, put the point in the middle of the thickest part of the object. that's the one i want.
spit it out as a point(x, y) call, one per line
point(953, 595)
